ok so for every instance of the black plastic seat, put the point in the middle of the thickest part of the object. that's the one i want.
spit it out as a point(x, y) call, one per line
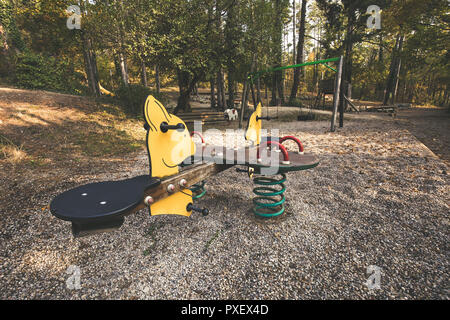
point(103, 201)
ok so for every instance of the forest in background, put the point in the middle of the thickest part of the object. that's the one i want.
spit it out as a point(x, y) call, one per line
point(133, 48)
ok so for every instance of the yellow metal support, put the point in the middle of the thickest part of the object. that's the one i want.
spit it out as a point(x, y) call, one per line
point(253, 132)
point(175, 204)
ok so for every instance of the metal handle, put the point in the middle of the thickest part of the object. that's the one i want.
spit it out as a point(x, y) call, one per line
point(191, 207)
point(296, 140)
point(166, 127)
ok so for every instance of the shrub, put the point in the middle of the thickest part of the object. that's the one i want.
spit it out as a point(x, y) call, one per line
point(133, 97)
point(296, 103)
point(35, 71)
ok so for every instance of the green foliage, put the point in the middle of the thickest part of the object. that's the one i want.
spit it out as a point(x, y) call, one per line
point(191, 41)
point(8, 22)
point(133, 97)
point(35, 71)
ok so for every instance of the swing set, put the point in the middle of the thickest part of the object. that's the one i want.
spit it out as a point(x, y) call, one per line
point(254, 76)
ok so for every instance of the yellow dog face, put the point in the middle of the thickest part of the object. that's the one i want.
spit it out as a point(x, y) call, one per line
point(168, 149)
point(253, 132)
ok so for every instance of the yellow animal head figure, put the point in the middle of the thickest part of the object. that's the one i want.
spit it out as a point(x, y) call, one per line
point(168, 140)
point(253, 132)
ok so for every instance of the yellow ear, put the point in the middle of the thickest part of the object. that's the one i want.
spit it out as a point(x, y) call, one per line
point(253, 132)
point(166, 149)
point(155, 113)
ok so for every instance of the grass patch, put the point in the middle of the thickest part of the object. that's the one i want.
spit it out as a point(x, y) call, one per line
point(10, 151)
point(150, 233)
point(210, 241)
point(107, 106)
point(38, 162)
point(107, 141)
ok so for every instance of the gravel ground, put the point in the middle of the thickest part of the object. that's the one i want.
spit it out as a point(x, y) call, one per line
point(379, 197)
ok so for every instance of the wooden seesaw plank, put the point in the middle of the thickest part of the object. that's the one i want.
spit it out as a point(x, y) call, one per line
point(192, 174)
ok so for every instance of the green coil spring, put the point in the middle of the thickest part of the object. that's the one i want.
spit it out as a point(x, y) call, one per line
point(270, 196)
point(199, 190)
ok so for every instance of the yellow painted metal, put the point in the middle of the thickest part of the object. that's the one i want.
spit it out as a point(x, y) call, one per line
point(253, 132)
point(175, 204)
point(166, 149)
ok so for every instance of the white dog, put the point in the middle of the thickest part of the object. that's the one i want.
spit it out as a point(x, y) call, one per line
point(231, 114)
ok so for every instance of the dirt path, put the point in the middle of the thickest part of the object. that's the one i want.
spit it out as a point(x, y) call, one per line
point(431, 126)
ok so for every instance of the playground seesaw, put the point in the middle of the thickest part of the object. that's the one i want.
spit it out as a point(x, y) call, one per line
point(178, 169)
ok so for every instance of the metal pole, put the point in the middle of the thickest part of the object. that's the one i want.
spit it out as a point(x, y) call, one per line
point(337, 89)
point(243, 103)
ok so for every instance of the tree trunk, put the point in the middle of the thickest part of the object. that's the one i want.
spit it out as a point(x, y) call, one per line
point(252, 88)
point(220, 91)
point(230, 48)
point(123, 69)
point(222, 81)
point(394, 69)
point(230, 91)
point(195, 90)
point(90, 65)
point(347, 68)
point(243, 102)
point(388, 86)
point(274, 90)
point(316, 51)
point(3, 40)
point(446, 96)
point(380, 50)
point(294, 29)
point(280, 86)
point(143, 74)
point(157, 79)
point(117, 68)
point(258, 90)
point(298, 72)
point(186, 84)
point(213, 93)
point(397, 77)
point(278, 40)
point(246, 91)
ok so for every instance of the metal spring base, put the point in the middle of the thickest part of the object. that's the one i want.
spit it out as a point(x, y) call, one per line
point(198, 190)
point(270, 196)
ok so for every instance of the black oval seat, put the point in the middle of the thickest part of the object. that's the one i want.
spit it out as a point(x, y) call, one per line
point(101, 201)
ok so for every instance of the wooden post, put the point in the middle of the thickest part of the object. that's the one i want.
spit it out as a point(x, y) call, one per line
point(337, 90)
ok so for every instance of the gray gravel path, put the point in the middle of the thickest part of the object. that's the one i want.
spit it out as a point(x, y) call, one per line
point(379, 197)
